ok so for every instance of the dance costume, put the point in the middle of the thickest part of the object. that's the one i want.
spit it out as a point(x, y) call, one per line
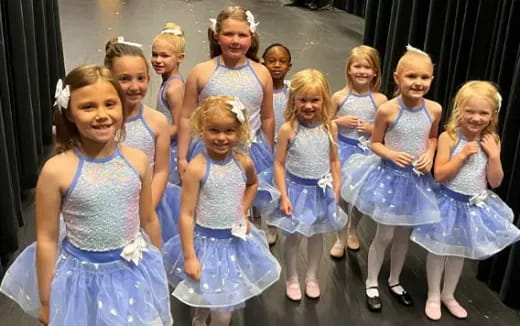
point(280, 97)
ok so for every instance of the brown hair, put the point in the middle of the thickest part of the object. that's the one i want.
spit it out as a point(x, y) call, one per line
point(114, 50)
point(67, 134)
point(371, 55)
point(177, 41)
point(239, 14)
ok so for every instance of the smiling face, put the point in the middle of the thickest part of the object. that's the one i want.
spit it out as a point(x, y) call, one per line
point(165, 58)
point(220, 134)
point(475, 115)
point(234, 38)
point(132, 74)
point(308, 105)
point(414, 76)
point(360, 73)
point(278, 62)
point(97, 112)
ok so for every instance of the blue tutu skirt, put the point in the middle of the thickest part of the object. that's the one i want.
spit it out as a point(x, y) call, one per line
point(196, 147)
point(168, 211)
point(232, 270)
point(314, 209)
point(474, 231)
point(349, 146)
point(261, 153)
point(94, 288)
point(174, 177)
point(389, 194)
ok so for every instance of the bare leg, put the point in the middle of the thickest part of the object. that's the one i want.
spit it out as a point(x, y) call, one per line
point(220, 318)
point(201, 316)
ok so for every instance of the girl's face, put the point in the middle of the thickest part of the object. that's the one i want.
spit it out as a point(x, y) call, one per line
point(234, 38)
point(360, 72)
point(277, 62)
point(97, 111)
point(414, 78)
point(307, 106)
point(476, 114)
point(132, 74)
point(164, 57)
point(220, 134)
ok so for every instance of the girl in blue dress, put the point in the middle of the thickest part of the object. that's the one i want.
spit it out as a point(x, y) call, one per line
point(105, 272)
point(167, 55)
point(219, 260)
point(475, 223)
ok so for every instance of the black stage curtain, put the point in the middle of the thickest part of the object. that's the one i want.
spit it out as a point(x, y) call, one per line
point(356, 7)
point(31, 61)
point(467, 39)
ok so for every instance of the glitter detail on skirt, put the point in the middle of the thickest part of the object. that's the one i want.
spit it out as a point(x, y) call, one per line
point(232, 270)
point(470, 231)
point(174, 177)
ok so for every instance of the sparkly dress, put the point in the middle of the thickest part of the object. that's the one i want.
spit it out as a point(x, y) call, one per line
point(475, 223)
point(280, 97)
point(390, 194)
point(243, 83)
point(309, 186)
point(139, 135)
point(163, 107)
point(99, 279)
point(233, 269)
point(350, 141)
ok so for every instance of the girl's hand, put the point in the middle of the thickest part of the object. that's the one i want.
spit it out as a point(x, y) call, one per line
point(364, 127)
point(425, 162)
point(471, 148)
point(348, 121)
point(490, 146)
point(192, 268)
point(285, 205)
point(44, 314)
point(401, 159)
point(182, 165)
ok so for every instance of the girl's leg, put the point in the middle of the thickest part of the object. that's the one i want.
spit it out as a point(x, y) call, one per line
point(376, 256)
point(338, 249)
point(201, 316)
point(292, 244)
point(452, 271)
point(272, 235)
point(220, 318)
point(314, 252)
point(434, 270)
point(352, 237)
point(398, 256)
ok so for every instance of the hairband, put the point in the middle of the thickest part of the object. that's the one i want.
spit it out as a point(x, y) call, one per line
point(121, 40)
point(414, 49)
point(175, 31)
point(250, 20)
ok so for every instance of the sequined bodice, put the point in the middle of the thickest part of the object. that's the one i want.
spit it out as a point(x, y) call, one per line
point(140, 136)
point(162, 105)
point(101, 206)
point(279, 106)
point(471, 178)
point(308, 152)
point(241, 82)
point(221, 193)
point(361, 106)
point(410, 131)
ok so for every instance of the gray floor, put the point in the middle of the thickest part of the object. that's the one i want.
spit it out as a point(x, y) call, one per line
point(320, 40)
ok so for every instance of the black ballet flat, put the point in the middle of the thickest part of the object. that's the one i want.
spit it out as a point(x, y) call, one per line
point(404, 298)
point(374, 303)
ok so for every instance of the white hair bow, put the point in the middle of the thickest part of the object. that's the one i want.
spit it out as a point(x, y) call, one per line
point(121, 40)
point(499, 100)
point(237, 108)
point(62, 96)
point(175, 31)
point(251, 20)
point(414, 49)
point(133, 252)
point(213, 24)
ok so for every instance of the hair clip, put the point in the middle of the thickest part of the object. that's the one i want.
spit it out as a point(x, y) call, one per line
point(499, 100)
point(121, 40)
point(251, 20)
point(414, 49)
point(62, 96)
point(213, 24)
point(237, 108)
point(175, 31)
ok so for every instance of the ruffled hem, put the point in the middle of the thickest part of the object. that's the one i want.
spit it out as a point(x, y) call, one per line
point(99, 294)
point(389, 194)
point(262, 156)
point(232, 270)
point(469, 231)
point(168, 211)
point(267, 192)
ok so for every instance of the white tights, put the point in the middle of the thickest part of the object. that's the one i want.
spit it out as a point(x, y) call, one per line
point(436, 266)
point(386, 234)
point(314, 251)
point(218, 318)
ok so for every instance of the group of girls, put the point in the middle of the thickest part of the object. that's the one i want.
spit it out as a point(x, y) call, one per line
point(117, 176)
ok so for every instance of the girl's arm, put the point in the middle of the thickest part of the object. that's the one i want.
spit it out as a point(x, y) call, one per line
point(366, 127)
point(425, 160)
point(491, 146)
point(174, 98)
point(47, 211)
point(284, 136)
point(266, 111)
point(251, 184)
point(335, 168)
point(189, 196)
point(382, 121)
point(349, 121)
point(447, 166)
point(162, 156)
point(147, 216)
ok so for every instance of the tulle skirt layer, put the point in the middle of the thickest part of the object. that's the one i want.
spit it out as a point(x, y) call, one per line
point(349, 146)
point(474, 231)
point(174, 177)
point(94, 289)
point(232, 270)
point(168, 211)
point(389, 194)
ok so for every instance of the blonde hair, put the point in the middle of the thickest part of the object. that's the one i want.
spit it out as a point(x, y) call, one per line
point(67, 134)
point(218, 106)
point(177, 41)
point(310, 80)
point(410, 55)
point(368, 53)
point(474, 88)
point(238, 14)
